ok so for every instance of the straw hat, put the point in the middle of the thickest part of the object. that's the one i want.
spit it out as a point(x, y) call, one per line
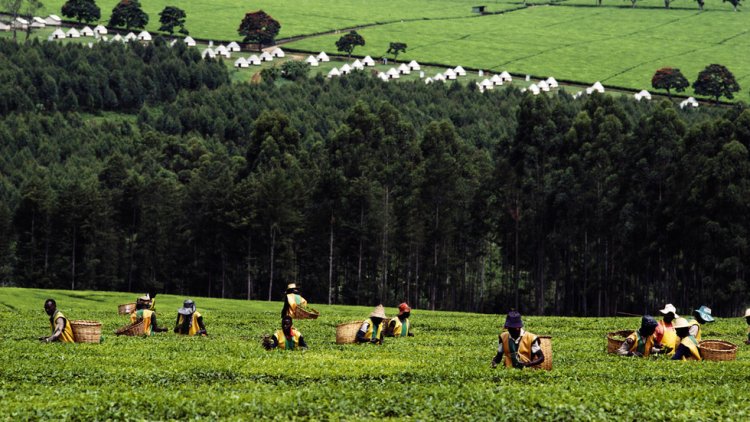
point(188, 308)
point(378, 312)
point(513, 320)
point(404, 307)
point(144, 299)
point(669, 308)
point(747, 312)
point(680, 323)
point(705, 313)
point(291, 287)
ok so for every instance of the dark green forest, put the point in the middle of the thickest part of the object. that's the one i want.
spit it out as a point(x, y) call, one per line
point(141, 168)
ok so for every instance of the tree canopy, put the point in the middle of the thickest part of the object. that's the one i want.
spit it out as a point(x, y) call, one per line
point(128, 14)
point(81, 10)
point(349, 41)
point(669, 79)
point(172, 17)
point(395, 48)
point(716, 81)
point(259, 27)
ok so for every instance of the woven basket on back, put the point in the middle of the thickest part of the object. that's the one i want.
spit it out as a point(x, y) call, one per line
point(310, 313)
point(717, 350)
point(126, 308)
point(546, 343)
point(134, 329)
point(347, 332)
point(86, 331)
point(614, 343)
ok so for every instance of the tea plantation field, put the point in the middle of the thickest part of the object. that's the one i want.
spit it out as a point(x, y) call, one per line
point(441, 373)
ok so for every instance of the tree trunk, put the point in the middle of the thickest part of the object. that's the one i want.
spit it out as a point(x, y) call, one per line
point(73, 261)
point(223, 271)
point(249, 267)
point(385, 248)
point(516, 273)
point(270, 276)
point(330, 260)
point(359, 260)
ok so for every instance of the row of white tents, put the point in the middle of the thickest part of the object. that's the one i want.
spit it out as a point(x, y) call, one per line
point(35, 22)
point(86, 31)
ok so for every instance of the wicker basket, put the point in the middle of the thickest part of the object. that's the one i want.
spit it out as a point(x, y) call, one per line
point(310, 313)
point(546, 343)
point(86, 331)
point(347, 333)
point(612, 343)
point(134, 329)
point(126, 308)
point(717, 350)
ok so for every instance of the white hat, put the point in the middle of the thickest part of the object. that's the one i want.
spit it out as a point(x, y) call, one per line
point(680, 323)
point(669, 308)
point(747, 312)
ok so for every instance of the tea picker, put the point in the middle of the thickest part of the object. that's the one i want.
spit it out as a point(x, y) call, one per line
point(372, 328)
point(517, 347)
point(399, 326)
point(61, 328)
point(688, 346)
point(287, 338)
point(642, 342)
point(143, 311)
point(189, 321)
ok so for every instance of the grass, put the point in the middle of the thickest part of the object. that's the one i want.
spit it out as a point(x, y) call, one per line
point(619, 47)
point(441, 373)
point(219, 19)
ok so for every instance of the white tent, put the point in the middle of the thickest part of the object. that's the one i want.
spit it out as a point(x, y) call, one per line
point(392, 73)
point(577, 95)
point(506, 76)
point(53, 20)
point(345, 69)
point(277, 52)
point(643, 95)
point(6, 27)
point(552, 82)
point(368, 61)
point(450, 74)
point(413, 65)
point(496, 79)
point(254, 60)
point(428, 81)
point(37, 22)
point(189, 41)
point(72, 33)
point(266, 57)
point(334, 72)
point(144, 36)
point(543, 86)
point(100, 29)
point(87, 32)
point(222, 51)
point(241, 62)
point(233, 47)
point(357, 65)
point(404, 69)
point(117, 38)
point(534, 89)
point(487, 84)
point(209, 52)
point(20, 23)
point(480, 72)
point(597, 86)
point(459, 71)
point(58, 34)
point(130, 37)
point(439, 77)
point(690, 102)
point(323, 57)
point(421, 74)
point(383, 77)
point(312, 61)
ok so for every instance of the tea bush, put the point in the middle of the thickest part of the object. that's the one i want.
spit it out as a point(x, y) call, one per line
point(441, 373)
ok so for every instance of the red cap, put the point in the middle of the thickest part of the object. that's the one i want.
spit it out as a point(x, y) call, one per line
point(403, 308)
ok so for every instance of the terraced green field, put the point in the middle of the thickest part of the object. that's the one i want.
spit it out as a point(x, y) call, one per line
point(441, 373)
point(619, 47)
point(219, 19)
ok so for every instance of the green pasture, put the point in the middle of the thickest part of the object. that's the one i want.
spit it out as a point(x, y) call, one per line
point(619, 47)
point(219, 19)
point(442, 373)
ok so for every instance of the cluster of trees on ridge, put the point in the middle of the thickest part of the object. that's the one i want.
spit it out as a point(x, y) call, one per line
point(366, 192)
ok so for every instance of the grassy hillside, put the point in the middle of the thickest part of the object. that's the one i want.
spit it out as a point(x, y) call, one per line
point(619, 47)
point(442, 373)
